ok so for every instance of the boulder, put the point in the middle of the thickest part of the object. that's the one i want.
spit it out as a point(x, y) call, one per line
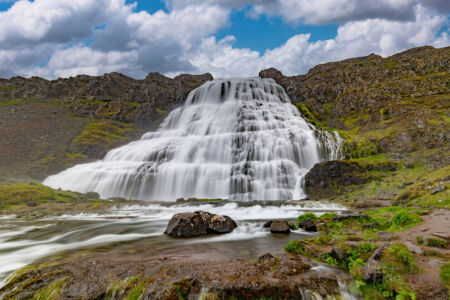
point(308, 225)
point(280, 226)
point(372, 269)
point(186, 225)
point(92, 195)
point(338, 254)
point(199, 223)
point(347, 214)
point(267, 259)
point(220, 224)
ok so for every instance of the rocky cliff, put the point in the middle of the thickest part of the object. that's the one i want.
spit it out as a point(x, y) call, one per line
point(49, 125)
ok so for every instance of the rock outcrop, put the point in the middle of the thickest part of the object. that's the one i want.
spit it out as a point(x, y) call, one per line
point(331, 177)
point(199, 223)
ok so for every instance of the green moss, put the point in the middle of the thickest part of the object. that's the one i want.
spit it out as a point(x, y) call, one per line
point(391, 65)
point(355, 146)
point(52, 291)
point(306, 216)
point(103, 133)
point(74, 158)
point(445, 275)
point(306, 113)
point(13, 102)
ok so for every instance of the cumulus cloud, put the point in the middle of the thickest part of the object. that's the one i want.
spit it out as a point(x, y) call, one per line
point(60, 38)
point(299, 54)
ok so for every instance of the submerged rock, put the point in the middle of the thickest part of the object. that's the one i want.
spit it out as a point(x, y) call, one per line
point(199, 223)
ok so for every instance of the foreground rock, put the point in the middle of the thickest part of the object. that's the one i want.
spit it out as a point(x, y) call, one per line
point(146, 275)
point(279, 226)
point(199, 223)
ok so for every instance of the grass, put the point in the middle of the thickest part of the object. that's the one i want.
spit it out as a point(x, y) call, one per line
point(436, 242)
point(100, 133)
point(52, 291)
point(445, 275)
point(21, 193)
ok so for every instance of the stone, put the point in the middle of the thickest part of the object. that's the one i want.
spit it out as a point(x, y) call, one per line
point(186, 225)
point(220, 224)
point(93, 195)
point(338, 254)
point(347, 214)
point(308, 225)
point(440, 187)
point(280, 226)
point(267, 259)
point(267, 224)
point(199, 223)
point(372, 269)
point(413, 248)
point(180, 200)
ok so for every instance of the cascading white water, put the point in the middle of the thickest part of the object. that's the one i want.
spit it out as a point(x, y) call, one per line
point(237, 139)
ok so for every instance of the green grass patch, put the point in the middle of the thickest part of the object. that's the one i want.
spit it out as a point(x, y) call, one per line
point(445, 275)
point(21, 193)
point(436, 242)
point(52, 291)
point(102, 133)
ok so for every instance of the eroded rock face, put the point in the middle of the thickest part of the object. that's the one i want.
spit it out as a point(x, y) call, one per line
point(199, 223)
point(331, 177)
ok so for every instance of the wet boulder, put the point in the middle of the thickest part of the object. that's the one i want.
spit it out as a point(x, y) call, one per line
point(339, 254)
point(280, 226)
point(199, 223)
point(220, 224)
point(308, 225)
point(186, 225)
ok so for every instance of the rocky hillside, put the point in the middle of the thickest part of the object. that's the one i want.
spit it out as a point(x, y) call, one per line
point(47, 126)
point(399, 104)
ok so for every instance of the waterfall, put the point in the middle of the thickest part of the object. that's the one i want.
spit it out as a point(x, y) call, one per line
point(237, 139)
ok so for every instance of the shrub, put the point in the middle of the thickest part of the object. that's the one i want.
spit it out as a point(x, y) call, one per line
point(435, 242)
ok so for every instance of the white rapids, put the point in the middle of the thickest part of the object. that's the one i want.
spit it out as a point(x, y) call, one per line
point(236, 139)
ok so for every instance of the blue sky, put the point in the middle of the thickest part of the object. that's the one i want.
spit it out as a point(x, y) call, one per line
point(61, 38)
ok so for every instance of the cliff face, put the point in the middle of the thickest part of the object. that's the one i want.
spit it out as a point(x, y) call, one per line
point(46, 126)
point(400, 103)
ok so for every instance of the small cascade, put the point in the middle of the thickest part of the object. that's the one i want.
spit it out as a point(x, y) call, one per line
point(236, 139)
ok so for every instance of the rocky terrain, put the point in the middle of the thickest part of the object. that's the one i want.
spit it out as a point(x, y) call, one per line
point(47, 126)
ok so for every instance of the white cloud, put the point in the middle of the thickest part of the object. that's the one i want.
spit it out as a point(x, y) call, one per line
point(54, 38)
point(299, 54)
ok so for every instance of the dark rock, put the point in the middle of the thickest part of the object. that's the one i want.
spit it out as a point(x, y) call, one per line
point(267, 224)
point(180, 200)
point(308, 225)
point(31, 203)
point(339, 254)
point(331, 177)
point(372, 269)
point(267, 259)
point(280, 226)
point(186, 225)
point(199, 223)
point(220, 224)
point(93, 195)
